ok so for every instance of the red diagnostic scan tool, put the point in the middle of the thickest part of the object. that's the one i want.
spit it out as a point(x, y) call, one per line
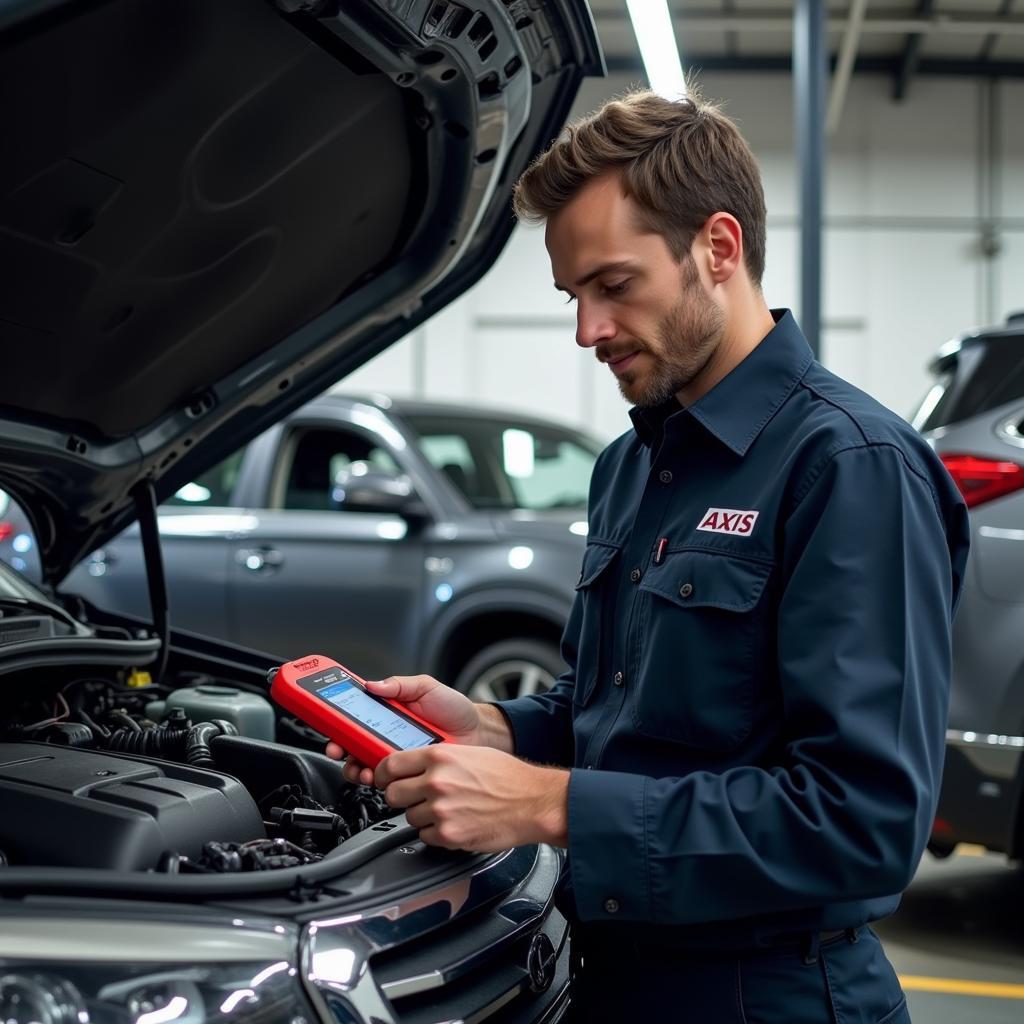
point(336, 702)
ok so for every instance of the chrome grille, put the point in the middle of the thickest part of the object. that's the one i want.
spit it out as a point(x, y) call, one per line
point(461, 952)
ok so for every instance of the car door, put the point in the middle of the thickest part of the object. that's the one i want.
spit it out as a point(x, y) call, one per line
point(310, 576)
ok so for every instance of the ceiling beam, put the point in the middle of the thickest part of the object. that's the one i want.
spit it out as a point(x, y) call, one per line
point(911, 54)
point(729, 6)
point(990, 40)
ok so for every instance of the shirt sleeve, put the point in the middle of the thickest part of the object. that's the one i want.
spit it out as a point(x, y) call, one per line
point(864, 633)
point(541, 724)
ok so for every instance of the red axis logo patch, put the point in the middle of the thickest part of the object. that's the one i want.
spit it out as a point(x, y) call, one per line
point(729, 520)
point(309, 663)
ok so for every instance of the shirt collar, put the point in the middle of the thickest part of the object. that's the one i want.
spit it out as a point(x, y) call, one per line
point(740, 405)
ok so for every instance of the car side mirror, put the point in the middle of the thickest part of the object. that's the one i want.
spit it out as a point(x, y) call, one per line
point(374, 490)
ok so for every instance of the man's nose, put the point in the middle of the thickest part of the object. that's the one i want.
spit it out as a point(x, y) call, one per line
point(593, 325)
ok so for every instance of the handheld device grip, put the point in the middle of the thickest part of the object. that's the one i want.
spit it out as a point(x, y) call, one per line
point(335, 701)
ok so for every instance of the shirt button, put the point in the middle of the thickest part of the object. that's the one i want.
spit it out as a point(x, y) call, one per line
point(611, 906)
point(618, 679)
point(665, 476)
point(635, 575)
point(686, 590)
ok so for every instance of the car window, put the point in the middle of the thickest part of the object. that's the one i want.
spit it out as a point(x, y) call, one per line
point(320, 456)
point(546, 472)
point(504, 464)
point(985, 374)
point(214, 487)
point(450, 454)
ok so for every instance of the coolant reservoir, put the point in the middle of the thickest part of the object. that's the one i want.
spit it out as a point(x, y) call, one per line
point(250, 713)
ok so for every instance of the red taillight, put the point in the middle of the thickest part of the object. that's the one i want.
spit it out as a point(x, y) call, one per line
point(6, 529)
point(982, 480)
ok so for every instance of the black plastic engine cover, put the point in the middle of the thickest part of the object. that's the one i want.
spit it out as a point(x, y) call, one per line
point(80, 808)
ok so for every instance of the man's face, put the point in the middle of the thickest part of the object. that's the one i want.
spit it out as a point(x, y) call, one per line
point(646, 315)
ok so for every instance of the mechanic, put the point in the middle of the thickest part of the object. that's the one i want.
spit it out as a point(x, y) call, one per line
point(744, 754)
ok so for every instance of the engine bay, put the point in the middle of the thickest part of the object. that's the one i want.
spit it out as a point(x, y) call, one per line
point(102, 766)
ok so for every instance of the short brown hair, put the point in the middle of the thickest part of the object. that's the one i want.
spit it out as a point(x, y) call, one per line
point(680, 160)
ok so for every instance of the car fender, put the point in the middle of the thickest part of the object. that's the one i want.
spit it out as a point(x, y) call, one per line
point(474, 603)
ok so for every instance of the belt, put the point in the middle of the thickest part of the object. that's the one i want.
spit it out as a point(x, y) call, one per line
point(806, 944)
point(810, 945)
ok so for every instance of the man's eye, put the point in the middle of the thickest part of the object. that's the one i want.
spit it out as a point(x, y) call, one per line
point(616, 289)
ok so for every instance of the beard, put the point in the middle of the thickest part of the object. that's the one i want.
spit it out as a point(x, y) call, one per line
point(687, 337)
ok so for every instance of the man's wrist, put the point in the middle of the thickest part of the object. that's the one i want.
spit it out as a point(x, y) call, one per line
point(494, 729)
point(552, 814)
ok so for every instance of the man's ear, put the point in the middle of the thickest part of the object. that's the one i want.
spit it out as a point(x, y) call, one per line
point(723, 239)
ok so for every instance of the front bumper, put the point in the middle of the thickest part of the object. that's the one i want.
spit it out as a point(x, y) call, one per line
point(488, 945)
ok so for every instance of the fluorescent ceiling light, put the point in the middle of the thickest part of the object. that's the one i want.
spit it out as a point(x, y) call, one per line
point(652, 25)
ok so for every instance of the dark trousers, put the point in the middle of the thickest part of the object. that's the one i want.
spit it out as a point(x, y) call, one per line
point(843, 979)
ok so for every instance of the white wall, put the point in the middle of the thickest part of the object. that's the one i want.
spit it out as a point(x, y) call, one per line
point(909, 188)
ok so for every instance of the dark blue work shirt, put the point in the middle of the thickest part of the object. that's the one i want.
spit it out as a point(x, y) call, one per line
point(759, 659)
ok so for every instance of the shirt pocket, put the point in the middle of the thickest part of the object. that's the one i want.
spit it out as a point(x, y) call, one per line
point(592, 591)
point(703, 637)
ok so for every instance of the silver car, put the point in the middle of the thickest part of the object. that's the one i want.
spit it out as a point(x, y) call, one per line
point(406, 536)
point(974, 417)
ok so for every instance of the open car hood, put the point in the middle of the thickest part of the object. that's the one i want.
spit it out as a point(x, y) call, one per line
point(209, 212)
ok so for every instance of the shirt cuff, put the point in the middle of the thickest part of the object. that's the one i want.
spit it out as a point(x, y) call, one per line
point(538, 731)
point(608, 846)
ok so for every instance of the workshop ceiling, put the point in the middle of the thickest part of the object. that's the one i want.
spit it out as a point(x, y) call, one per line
point(901, 38)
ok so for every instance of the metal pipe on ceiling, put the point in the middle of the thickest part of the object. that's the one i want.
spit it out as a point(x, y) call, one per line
point(844, 67)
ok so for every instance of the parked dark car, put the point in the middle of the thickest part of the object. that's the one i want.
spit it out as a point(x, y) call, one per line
point(974, 417)
point(405, 536)
point(209, 213)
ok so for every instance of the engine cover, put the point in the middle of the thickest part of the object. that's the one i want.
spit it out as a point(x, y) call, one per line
point(82, 808)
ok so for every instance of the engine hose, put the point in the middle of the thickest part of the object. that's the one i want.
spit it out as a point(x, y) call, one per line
point(197, 747)
point(169, 744)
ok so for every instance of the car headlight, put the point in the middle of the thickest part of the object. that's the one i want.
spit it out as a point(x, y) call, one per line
point(94, 993)
point(83, 970)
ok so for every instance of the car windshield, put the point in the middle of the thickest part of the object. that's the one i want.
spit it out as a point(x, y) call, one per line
point(503, 464)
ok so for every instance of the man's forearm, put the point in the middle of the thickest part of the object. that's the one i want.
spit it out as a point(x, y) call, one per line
point(494, 729)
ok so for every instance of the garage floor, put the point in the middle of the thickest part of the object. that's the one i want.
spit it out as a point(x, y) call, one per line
point(957, 941)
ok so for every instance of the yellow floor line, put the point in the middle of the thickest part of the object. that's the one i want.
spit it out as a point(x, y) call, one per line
point(970, 850)
point(961, 987)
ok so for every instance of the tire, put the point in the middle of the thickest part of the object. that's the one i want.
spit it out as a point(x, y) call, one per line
point(510, 668)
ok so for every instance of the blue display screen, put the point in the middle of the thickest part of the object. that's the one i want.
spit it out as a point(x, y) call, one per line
point(375, 716)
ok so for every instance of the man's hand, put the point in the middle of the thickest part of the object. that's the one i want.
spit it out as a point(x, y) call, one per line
point(452, 712)
point(476, 798)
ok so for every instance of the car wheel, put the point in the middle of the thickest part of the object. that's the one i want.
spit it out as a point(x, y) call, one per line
point(510, 668)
